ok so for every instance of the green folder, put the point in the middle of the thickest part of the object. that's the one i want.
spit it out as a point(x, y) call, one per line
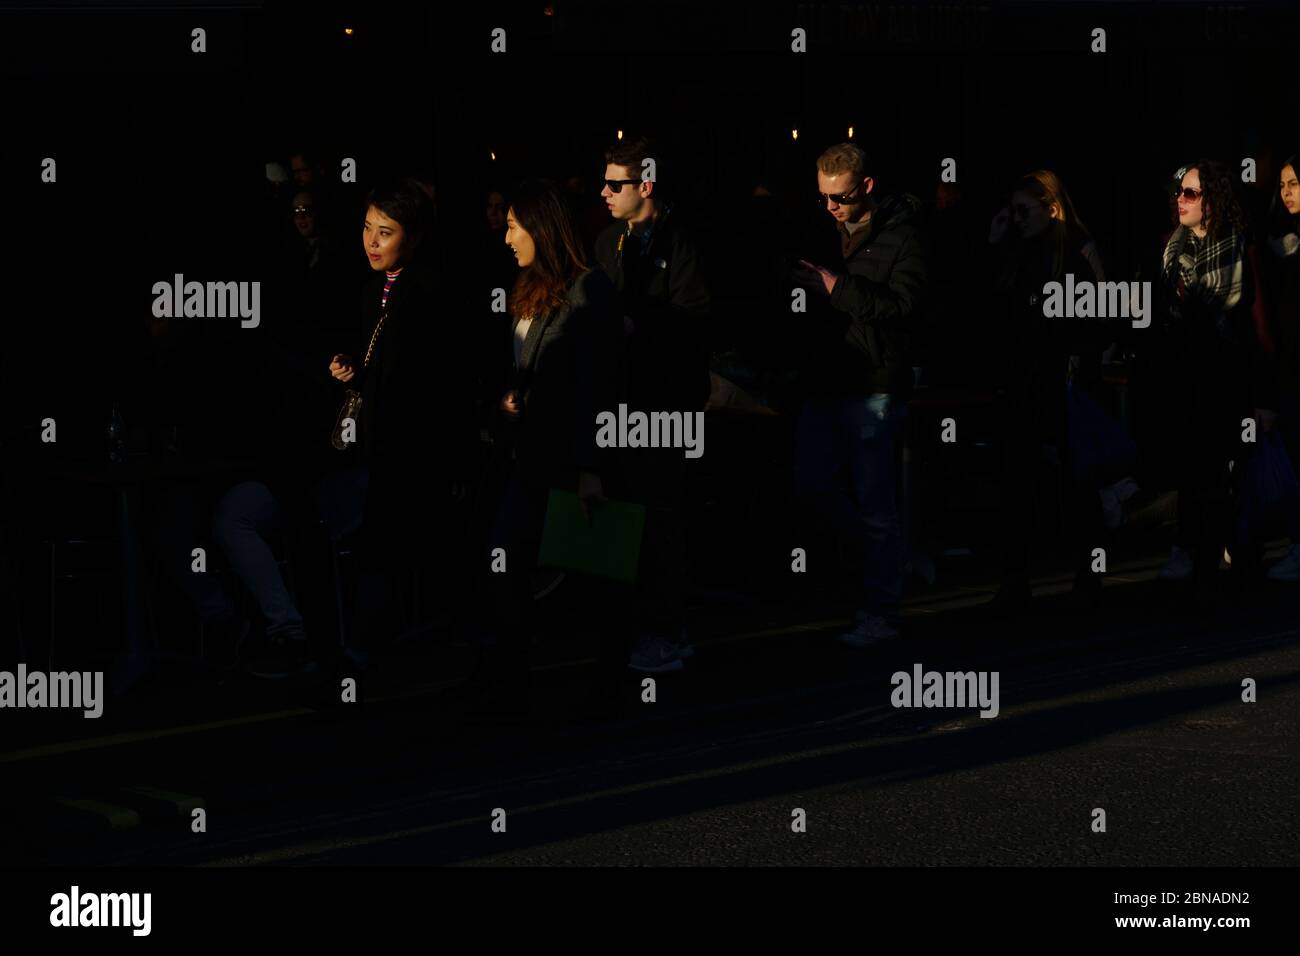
point(609, 547)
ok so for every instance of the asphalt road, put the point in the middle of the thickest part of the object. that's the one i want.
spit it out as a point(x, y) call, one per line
point(1137, 711)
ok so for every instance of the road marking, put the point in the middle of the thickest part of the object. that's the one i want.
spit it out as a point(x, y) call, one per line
point(318, 846)
point(183, 803)
point(118, 818)
point(116, 740)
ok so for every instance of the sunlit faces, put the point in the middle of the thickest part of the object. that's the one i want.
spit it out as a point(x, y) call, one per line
point(1029, 214)
point(1289, 188)
point(520, 241)
point(628, 202)
point(1191, 206)
point(844, 195)
point(383, 239)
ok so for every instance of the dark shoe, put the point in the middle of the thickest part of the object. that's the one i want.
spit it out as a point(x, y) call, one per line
point(280, 657)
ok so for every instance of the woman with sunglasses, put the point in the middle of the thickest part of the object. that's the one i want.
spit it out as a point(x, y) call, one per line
point(1202, 373)
point(567, 337)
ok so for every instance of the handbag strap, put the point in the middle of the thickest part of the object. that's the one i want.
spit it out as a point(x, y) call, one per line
point(373, 337)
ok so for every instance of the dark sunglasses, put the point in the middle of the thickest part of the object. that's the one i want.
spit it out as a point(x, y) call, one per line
point(616, 185)
point(1188, 193)
point(840, 199)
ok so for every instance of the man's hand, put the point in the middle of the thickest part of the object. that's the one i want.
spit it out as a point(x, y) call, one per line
point(590, 493)
point(510, 404)
point(814, 275)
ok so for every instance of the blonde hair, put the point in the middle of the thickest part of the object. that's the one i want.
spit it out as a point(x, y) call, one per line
point(844, 158)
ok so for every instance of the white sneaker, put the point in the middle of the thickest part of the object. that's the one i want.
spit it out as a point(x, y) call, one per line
point(1178, 567)
point(1288, 569)
point(871, 630)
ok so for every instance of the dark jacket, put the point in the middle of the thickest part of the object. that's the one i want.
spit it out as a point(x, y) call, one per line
point(1032, 359)
point(662, 287)
point(1282, 279)
point(416, 429)
point(862, 343)
point(568, 373)
point(1204, 361)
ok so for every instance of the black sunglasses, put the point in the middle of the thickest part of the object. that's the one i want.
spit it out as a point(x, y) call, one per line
point(616, 185)
point(840, 199)
point(1187, 192)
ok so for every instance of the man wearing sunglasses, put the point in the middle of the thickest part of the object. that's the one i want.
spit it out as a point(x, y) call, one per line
point(859, 377)
point(654, 261)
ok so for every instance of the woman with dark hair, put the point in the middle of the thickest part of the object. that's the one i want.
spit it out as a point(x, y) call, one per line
point(567, 340)
point(1203, 370)
point(1282, 274)
point(414, 431)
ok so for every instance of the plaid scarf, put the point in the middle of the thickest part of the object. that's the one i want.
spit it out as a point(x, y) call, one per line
point(1204, 274)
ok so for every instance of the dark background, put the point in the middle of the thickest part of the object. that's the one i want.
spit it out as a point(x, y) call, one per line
point(161, 152)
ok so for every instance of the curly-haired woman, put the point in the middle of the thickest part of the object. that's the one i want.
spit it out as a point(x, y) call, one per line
point(1210, 341)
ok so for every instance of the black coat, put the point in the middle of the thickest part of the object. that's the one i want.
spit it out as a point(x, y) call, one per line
point(568, 372)
point(1032, 358)
point(1282, 274)
point(416, 429)
point(863, 343)
point(665, 292)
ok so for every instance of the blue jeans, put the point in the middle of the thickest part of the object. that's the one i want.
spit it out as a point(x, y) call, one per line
point(248, 514)
point(846, 471)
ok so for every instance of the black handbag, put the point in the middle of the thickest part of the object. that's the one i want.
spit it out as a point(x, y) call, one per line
point(352, 398)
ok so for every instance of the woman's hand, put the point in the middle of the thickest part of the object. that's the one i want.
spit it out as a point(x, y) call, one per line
point(590, 493)
point(510, 404)
point(341, 368)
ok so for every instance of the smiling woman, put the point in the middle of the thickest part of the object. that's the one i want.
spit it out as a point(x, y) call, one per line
point(412, 487)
